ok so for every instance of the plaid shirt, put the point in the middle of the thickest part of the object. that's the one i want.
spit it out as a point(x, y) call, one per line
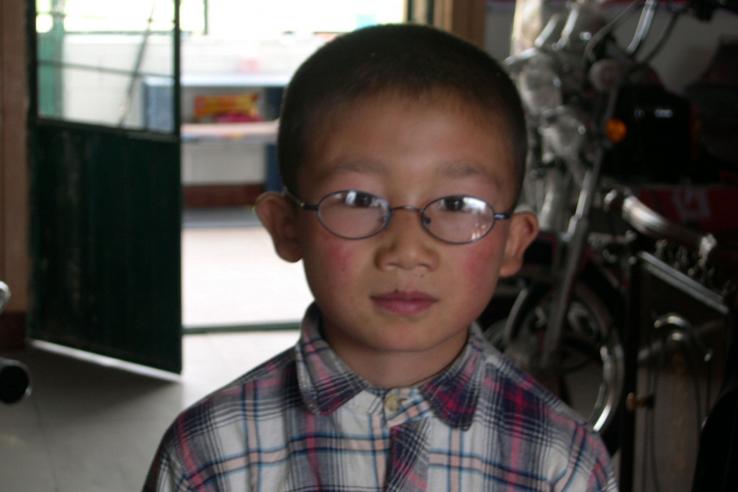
point(304, 421)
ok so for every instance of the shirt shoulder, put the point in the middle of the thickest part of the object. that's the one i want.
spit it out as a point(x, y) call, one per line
point(257, 394)
point(540, 427)
point(212, 431)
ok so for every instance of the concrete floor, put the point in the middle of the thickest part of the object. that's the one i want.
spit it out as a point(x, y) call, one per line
point(94, 428)
point(91, 428)
point(232, 276)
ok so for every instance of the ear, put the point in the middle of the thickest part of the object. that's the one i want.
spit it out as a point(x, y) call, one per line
point(279, 217)
point(523, 230)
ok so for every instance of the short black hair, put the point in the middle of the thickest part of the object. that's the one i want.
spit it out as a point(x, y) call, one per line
point(408, 59)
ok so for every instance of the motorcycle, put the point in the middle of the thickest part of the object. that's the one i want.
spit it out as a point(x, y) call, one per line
point(598, 118)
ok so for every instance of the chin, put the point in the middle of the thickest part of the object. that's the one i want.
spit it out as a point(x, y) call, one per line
point(418, 341)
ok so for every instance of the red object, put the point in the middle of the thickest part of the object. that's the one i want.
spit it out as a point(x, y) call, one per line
point(712, 208)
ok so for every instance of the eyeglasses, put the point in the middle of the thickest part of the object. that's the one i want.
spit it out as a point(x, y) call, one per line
point(355, 214)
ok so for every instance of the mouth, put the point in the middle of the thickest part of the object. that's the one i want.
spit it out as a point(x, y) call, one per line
point(404, 303)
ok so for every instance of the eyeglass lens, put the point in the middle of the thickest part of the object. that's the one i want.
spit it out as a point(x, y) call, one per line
point(353, 214)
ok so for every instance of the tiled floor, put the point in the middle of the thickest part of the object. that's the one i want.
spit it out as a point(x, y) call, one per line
point(232, 276)
point(88, 427)
point(91, 428)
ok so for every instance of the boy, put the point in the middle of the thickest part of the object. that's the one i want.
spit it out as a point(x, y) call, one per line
point(401, 150)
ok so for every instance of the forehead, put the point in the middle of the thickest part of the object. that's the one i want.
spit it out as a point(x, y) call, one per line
point(367, 133)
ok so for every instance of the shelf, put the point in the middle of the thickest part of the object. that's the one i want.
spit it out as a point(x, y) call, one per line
point(262, 132)
point(258, 80)
point(248, 80)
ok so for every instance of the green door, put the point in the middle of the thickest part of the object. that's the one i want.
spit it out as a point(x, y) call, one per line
point(105, 197)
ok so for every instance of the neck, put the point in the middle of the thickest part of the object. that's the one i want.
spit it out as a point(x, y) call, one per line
point(398, 369)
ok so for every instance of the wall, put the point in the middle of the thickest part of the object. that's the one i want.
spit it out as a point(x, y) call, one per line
point(14, 262)
point(690, 48)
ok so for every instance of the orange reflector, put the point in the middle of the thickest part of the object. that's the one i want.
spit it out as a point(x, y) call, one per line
point(616, 130)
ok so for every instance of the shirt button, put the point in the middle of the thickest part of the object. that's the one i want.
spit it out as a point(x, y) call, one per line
point(392, 403)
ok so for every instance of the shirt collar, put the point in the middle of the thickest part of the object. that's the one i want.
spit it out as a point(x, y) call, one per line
point(327, 383)
point(454, 392)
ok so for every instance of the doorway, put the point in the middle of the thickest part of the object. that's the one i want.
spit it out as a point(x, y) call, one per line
point(234, 70)
point(110, 152)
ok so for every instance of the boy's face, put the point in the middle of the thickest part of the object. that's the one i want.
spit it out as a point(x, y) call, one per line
point(402, 292)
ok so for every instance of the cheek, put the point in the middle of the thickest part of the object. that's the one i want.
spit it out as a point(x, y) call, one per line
point(323, 251)
point(475, 264)
point(330, 260)
point(337, 257)
point(481, 265)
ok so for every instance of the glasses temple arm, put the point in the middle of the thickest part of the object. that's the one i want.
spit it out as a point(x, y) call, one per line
point(303, 205)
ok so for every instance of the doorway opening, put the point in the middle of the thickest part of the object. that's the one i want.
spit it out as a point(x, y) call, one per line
point(236, 61)
point(140, 107)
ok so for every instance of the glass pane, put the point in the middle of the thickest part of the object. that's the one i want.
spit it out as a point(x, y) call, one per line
point(98, 61)
point(244, 39)
point(265, 18)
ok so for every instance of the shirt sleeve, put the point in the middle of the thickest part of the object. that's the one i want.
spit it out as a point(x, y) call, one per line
point(589, 466)
point(197, 452)
point(166, 473)
point(602, 476)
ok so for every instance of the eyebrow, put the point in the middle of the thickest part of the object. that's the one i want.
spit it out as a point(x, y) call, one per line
point(363, 166)
point(358, 166)
point(468, 169)
point(461, 169)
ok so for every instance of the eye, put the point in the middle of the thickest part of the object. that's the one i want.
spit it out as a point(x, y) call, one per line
point(361, 199)
point(453, 203)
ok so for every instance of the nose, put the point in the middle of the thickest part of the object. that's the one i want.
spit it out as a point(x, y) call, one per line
point(405, 245)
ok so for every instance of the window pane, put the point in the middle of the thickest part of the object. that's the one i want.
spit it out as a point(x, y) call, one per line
point(266, 18)
point(96, 59)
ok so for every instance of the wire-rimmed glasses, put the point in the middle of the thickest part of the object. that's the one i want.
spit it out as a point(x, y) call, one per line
point(356, 214)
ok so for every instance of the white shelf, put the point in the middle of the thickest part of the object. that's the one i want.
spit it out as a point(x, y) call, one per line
point(261, 132)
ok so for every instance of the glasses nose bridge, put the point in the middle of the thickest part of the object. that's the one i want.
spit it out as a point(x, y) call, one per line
point(409, 208)
point(419, 211)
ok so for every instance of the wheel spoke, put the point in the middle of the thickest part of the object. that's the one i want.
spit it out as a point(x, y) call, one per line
point(590, 356)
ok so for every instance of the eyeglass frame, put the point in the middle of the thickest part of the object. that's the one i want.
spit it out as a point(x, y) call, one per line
point(315, 207)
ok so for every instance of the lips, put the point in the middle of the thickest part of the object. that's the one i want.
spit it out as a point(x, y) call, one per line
point(404, 303)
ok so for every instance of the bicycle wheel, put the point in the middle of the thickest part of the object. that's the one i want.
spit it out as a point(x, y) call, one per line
point(589, 372)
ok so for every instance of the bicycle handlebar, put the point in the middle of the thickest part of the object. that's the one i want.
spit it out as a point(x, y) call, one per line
point(650, 223)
